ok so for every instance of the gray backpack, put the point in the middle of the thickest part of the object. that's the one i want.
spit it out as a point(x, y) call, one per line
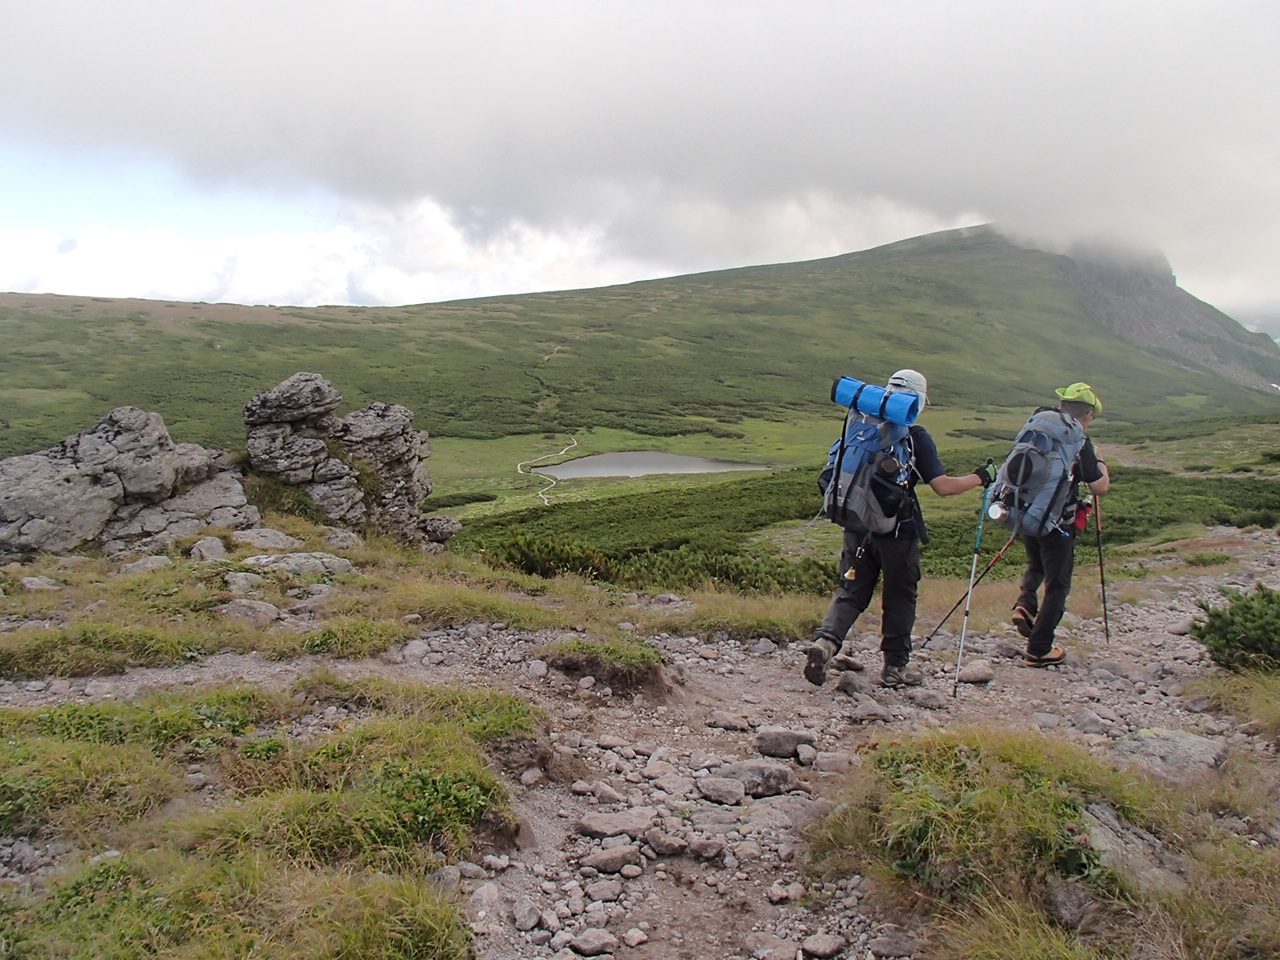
point(1030, 494)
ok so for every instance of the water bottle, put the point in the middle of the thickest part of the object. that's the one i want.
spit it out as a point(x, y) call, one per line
point(999, 512)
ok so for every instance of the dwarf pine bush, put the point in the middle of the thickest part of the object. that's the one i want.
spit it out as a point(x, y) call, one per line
point(1245, 633)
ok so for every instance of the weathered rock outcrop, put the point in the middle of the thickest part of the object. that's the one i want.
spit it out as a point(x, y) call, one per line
point(126, 487)
point(1138, 297)
point(367, 467)
point(122, 484)
point(288, 427)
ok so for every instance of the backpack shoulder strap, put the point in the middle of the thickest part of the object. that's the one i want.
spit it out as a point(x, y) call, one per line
point(911, 454)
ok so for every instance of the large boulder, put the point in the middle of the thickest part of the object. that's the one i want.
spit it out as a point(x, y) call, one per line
point(368, 467)
point(303, 397)
point(381, 438)
point(290, 428)
point(123, 484)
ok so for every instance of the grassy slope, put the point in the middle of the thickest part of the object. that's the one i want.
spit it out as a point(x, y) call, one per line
point(993, 327)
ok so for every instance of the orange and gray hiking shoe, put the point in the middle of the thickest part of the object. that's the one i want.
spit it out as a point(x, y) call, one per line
point(1023, 620)
point(816, 657)
point(1054, 656)
point(900, 676)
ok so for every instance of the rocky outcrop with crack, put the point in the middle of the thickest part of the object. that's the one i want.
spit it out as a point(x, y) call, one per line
point(123, 485)
point(367, 467)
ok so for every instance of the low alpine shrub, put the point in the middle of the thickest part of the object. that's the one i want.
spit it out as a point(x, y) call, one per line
point(1245, 634)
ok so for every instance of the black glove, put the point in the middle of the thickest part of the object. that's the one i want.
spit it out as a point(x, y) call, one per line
point(986, 473)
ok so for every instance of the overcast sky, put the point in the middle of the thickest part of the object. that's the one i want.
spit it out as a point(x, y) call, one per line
point(402, 151)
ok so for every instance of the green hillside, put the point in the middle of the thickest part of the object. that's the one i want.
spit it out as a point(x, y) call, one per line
point(991, 324)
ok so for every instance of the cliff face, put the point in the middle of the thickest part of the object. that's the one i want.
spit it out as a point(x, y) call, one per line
point(1138, 298)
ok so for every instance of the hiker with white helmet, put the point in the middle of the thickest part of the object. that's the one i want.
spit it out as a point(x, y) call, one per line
point(1051, 553)
point(868, 556)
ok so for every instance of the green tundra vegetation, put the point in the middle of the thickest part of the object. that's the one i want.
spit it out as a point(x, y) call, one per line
point(992, 324)
point(705, 534)
point(322, 852)
point(988, 826)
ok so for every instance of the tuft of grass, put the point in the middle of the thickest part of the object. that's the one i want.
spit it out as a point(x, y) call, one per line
point(95, 649)
point(484, 714)
point(448, 603)
point(349, 637)
point(164, 904)
point(981, 826)
point(305, 849)
point(270, 495)
point(176, 592)
point(1251, 695)
point(786, 618)
point(1227, 912)
point(449, 590)
point(626, 662)
point(159, 722)
point(1206, 558)
point(1004, 928)
point(959, 816)
point(368, 795)
point(307, 829)
point(77, 788)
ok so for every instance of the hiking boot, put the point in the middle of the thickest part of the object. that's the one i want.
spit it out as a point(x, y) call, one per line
point(1023, 620)
point(1055, 656)
point(900, 676)
point(815, 664)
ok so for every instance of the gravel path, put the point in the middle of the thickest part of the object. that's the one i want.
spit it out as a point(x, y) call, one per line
point(669, 824)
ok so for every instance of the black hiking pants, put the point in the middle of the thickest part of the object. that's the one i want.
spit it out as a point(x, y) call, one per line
point(1050, 561)
point(895, 560)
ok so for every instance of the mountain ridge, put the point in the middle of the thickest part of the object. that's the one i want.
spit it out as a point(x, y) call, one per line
point(994, 325)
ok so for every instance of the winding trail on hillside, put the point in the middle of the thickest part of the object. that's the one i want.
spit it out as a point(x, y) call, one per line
point(551, 481)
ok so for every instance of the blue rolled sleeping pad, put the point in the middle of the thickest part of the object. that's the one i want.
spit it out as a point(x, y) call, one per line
point(899, 408)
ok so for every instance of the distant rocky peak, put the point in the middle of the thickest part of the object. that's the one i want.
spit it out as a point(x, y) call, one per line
point(1135, 294)
point(1122, 270)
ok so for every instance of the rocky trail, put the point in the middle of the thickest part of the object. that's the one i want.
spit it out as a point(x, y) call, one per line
point(670, 823)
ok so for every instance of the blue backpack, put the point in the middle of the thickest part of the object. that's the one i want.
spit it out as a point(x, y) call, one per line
point(867, 478)
point(1030, 494)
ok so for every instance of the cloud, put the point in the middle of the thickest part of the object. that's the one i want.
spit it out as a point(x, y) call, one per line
point(687, 135)
point(418, 254)
point(415, 257)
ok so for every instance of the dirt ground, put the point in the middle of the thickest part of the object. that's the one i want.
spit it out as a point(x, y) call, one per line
point(636, 843)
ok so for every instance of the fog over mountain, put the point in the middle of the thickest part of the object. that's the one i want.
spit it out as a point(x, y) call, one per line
point(387, 151)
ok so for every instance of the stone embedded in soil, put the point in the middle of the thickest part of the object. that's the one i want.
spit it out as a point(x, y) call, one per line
point(593, 942)
point(612, 861)
point(781, 741)
point(633, 823)
point(822, 946)
point(722, 790)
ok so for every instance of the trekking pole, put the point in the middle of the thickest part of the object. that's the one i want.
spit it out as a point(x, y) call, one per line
point(1102, 567)
point(987, 569)
point(973, 569)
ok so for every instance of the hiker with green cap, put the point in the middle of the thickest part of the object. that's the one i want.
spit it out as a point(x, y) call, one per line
point(890, 559)
point(1051, 555)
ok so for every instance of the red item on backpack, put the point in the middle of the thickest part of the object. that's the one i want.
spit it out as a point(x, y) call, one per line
point(1081, 521)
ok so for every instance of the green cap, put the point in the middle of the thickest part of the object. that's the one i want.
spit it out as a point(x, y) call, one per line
point(1081, 393)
